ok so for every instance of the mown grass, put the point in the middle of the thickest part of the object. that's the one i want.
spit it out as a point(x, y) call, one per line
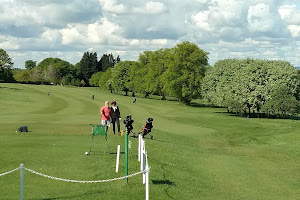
point(197, 152)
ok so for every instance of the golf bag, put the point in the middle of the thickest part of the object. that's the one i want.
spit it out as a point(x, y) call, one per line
point(146, 129)
point(128, 121)
point(23, 129)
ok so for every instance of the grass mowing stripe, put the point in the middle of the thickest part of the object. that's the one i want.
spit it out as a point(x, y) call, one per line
point(197, 152)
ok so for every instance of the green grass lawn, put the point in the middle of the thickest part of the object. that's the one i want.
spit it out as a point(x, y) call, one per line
point(197, 152)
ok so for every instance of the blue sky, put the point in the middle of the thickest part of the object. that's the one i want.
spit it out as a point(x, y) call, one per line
point(35, 29)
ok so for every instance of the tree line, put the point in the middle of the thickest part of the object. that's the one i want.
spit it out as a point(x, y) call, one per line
point(58, 71)
point(245, 87)
point(253, 86)
point(176, 72)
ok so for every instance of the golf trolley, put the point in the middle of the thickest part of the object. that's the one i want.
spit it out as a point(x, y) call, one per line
point(98, 129)
point(146, 129)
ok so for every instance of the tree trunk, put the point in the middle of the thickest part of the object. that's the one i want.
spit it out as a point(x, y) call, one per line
point(133, 95)
point(126, 93)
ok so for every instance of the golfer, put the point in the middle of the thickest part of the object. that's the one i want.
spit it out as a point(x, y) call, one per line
point(105, 114)
point(115, 116)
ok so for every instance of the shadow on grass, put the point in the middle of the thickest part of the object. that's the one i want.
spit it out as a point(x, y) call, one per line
point(201, 105)
point(261, 116)
point(83, 195)
point(163, 182)
point(3, 87)
point(146, 138)
point(156, 140)
point(116, 153)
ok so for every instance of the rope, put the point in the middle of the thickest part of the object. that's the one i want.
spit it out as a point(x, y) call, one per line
point(5, 173)
point(76, 181)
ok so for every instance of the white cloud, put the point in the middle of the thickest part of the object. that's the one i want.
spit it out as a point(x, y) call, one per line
point(8, 43)
point(50, 34)
point(286, 10)
point(295, 30)
point(200, 19)
point(293, 18)
point(224, 28)
point(102, 32)
point(58, 13)
point(112, 6)
point(71, 35)
point(260, 18)
point(151, 7)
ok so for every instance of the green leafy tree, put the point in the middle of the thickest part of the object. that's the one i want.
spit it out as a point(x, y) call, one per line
point(88, 65)
point(94, 80)
point(50, 74)
point(105, 80)
point(154, 66)
point(29, 64)
point(82, 83)
point(245, 85)
point(6, 66)
point(281, 101)
point(184, 75)
point(75, 82)
point(55, 70)
point(118, 59)
point(23, 76)
point(136, 78)
point(121, 76)
point(108, 61)
point(37, 75)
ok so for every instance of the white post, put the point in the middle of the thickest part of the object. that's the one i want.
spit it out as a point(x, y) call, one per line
point(118, 157)
point(21, 180)
point(142, 151)
point(144, 165)
point(139, 154)
point(147, 179)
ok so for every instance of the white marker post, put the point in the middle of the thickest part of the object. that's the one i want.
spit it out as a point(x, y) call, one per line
point(142, 151)
point(144, 163)
point(118, 158)
point(147, 178)
point(139, 152)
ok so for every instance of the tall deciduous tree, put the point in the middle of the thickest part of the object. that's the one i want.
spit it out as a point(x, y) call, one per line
point(184, 76)
point(242, 85)
point(105, 80)
point(121, 76)
point(6, 66)
point(154, 66)
point(29, 64)
point(23, 76)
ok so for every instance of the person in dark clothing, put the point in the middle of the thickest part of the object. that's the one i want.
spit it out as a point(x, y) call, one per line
point(115, 116)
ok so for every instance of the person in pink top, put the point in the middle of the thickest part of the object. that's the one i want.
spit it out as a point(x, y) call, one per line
point(105, 114)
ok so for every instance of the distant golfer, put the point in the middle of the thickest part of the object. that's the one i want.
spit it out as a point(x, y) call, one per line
point(134, 100)
point(115, 116)
point(93, 97)
point(48, 93)
point(105, 114)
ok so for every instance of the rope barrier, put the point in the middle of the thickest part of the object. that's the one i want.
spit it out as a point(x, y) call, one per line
point(76, 181)
point(5, 173)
